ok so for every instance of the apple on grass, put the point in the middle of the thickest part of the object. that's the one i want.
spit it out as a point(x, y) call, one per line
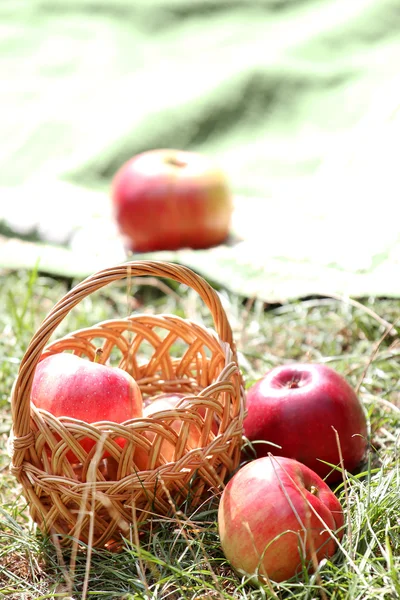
point(69, 386)
point(168, 199)
point(275, 516)
point(299, 407)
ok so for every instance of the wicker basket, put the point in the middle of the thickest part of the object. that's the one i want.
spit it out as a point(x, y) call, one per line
point(96, 500)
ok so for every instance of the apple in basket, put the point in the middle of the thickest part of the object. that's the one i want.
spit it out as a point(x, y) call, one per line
point(167, 402)
point(299, 407)
point(69, 386)
point(169, 199)
point(274, 516)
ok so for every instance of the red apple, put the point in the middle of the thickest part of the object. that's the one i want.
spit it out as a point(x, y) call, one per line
point(170, 199)
point(69, 386)
point(162, 402)
point(296, 407)
point(272, 508)
point(165, 402)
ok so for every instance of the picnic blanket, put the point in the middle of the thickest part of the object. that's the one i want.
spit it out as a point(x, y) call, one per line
point(298, 101)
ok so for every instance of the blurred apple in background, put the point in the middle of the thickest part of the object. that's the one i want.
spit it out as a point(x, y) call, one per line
point(170, 199)
point(296, 406)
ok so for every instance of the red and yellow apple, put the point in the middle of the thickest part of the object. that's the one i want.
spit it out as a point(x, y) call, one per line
point(274, 515)
point(69, 386)
point(166, 402)
point(169, 199)
point(299, 407)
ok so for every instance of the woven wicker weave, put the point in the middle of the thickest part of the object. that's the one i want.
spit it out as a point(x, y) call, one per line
point(97, 500)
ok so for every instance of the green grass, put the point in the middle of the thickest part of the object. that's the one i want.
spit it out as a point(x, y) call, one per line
point(182, 558)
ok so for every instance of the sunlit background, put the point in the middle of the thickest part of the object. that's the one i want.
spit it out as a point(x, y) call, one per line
point(298, 101)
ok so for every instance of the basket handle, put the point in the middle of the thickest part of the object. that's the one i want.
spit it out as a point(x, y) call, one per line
point(20, 400)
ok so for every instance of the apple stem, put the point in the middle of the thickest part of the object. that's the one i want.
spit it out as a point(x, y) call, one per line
point(97, 355)
point(293, 383)
point(313, 490)
point(176, 162)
